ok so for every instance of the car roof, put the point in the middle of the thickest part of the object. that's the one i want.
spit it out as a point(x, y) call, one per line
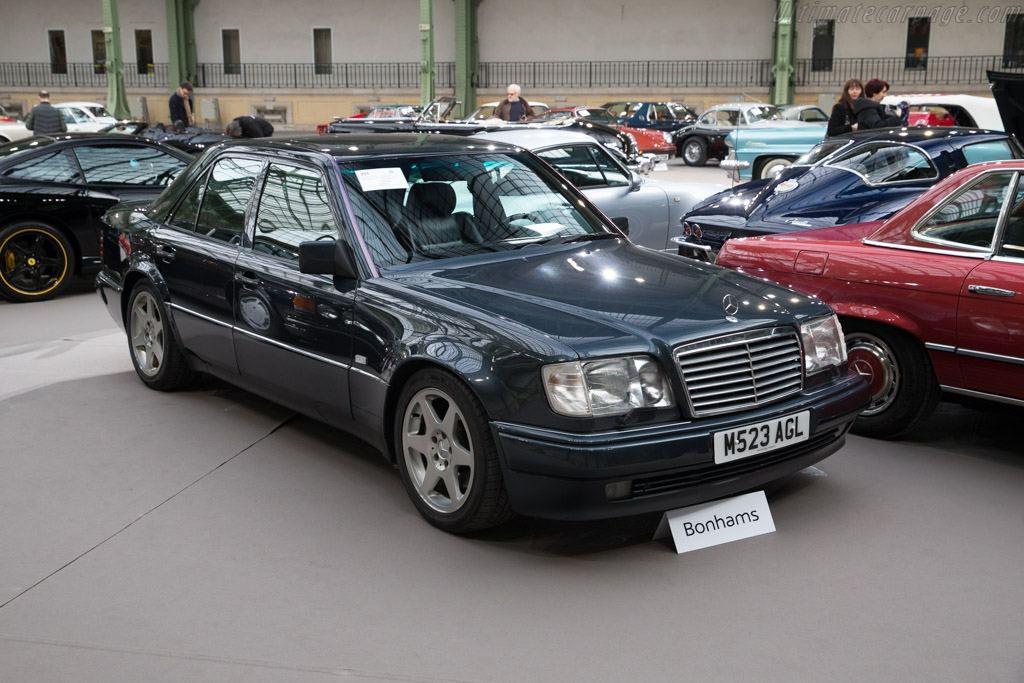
point(536, 138)
point(922, 134)
point(80, 103)
point(356, 145)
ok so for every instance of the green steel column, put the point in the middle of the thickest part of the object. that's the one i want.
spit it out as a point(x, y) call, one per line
point(181, 41)
point(783, 52)
point(467, 55)
point(426, 52)
point(117, 99)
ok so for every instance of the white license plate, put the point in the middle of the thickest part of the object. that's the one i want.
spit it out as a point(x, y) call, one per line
point(742, 442)
point(661, 157)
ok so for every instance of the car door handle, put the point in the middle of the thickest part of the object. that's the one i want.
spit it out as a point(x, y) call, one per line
point(990, 291)
point(165, 252)
point(247, 278)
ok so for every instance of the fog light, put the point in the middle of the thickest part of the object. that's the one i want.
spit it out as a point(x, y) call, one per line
point(618, 490)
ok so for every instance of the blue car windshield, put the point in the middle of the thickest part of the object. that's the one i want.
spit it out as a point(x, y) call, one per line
point(411, 209)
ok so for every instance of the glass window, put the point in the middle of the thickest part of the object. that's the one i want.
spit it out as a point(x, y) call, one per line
point(1013, 42)
point(128, 164)
point(58, 52)
point(232, 51)
point(55, 167)
point(996, 150)
point(420, 208)
point(227, 194)
point(294, 207)
point(584, 166)
point(820, 151)
point(885, 163)
point(660, 112)
point(813, 115)
point(969, 217)
point(188, 208)
point(144, 51)
point(99, 52)
point(918, 31)
point(763, 112)
point(823, 44)
point(1012, 241)
point(322, 51)
point(74, 115)
point(681, 112)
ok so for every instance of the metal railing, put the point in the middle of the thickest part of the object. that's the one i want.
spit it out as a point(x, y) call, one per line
point(676, 74)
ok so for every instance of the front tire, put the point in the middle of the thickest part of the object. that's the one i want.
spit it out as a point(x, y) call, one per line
point(694, 151)
point(904, 390)
point(158, 360)
point(773, 167)
point(37, 261)
point(446, 455)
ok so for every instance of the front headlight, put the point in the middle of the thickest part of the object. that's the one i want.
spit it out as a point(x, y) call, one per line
point(668, 138)
point(824, 345)
point(610, 386)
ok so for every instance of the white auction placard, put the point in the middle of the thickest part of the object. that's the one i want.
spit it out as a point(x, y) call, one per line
point(371, 179)
point(722, 521)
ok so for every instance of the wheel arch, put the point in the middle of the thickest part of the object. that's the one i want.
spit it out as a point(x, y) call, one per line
point(48, 221)
point(878, 316)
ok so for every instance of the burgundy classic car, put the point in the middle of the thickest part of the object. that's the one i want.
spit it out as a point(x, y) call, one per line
point(649, 140)
point(931, 300)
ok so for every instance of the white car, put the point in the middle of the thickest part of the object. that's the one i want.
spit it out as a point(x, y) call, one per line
point(486, 111)
point(85, 117)
point(968, 111)
point(12, 128)
point(652, 208)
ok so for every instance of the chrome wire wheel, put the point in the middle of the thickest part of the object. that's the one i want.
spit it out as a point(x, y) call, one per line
point(875, 361)
point(437, 450)
point(146, 332)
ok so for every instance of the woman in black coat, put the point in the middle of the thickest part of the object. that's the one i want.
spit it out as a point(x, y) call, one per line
point(843, 118)
point(871, 113)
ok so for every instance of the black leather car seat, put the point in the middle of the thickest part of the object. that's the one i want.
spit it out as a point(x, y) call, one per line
point(427, 224)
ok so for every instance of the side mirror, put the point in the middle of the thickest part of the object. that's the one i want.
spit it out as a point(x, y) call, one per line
point(325, 257)
point(635, 181)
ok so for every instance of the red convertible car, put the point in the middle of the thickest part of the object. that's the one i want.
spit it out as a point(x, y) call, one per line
point(931, 300)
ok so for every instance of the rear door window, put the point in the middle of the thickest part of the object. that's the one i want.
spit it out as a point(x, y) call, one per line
point(887, 163)
point(994, 150)
point(969, 217)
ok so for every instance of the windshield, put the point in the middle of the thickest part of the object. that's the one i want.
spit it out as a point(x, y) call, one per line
point(412, 209)
point(820, 151)
point(763, 112)
point(98, 111)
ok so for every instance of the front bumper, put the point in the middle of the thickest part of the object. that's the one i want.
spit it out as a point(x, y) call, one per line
point(562, 475)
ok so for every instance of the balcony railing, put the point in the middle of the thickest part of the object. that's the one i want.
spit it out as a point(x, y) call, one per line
point(900, 72)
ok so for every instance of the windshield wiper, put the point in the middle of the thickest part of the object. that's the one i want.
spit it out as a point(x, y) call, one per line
point(586, 237)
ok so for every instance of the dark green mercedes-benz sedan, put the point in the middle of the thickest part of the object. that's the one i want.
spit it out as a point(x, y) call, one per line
point(461, 306)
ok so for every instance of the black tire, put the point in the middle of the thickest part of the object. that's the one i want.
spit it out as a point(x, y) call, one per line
point(694, 151)
point(37, 262)
point(158, 360)
point(772, 167)
point(904, 390)
point(446, 455)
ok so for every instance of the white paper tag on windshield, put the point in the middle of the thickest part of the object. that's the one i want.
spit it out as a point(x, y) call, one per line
point(722, 521)
point(371, 179)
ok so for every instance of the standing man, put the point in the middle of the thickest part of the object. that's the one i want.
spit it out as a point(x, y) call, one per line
point(45, 119)
point(513, 107)
point(180, 105)
point(249, 127)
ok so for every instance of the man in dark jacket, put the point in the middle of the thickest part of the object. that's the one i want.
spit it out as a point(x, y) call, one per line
point(180, 105)
point(249, 127)
point(514, 107)
point(45, 119)
point(870, 111)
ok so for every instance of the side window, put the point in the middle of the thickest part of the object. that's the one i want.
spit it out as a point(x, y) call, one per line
point(968, 218)
point(584, 167)
point(128, 164)
point(222, 216)
point(188, 209)
point(1012, 243)
point(55, 167)
point(294, 207)
point(709, 118)
point(661, 112)
point(613, 173)
point(884, 163)
point(996, 150)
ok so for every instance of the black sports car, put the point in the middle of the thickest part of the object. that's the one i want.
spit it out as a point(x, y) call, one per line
point(461, 307)
point(53, 192)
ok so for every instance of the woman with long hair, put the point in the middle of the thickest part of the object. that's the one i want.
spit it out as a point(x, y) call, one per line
point(843, 118)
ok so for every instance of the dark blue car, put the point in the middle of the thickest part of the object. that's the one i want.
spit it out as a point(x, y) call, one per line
point(852, 178)
point(666, 116)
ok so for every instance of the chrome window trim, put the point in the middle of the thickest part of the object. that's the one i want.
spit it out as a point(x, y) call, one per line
point(997, 233)
point(981, 394)
point(931, 164)
point(926, 250)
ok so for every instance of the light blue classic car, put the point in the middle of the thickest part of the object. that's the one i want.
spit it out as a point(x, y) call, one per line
point(763, 151)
